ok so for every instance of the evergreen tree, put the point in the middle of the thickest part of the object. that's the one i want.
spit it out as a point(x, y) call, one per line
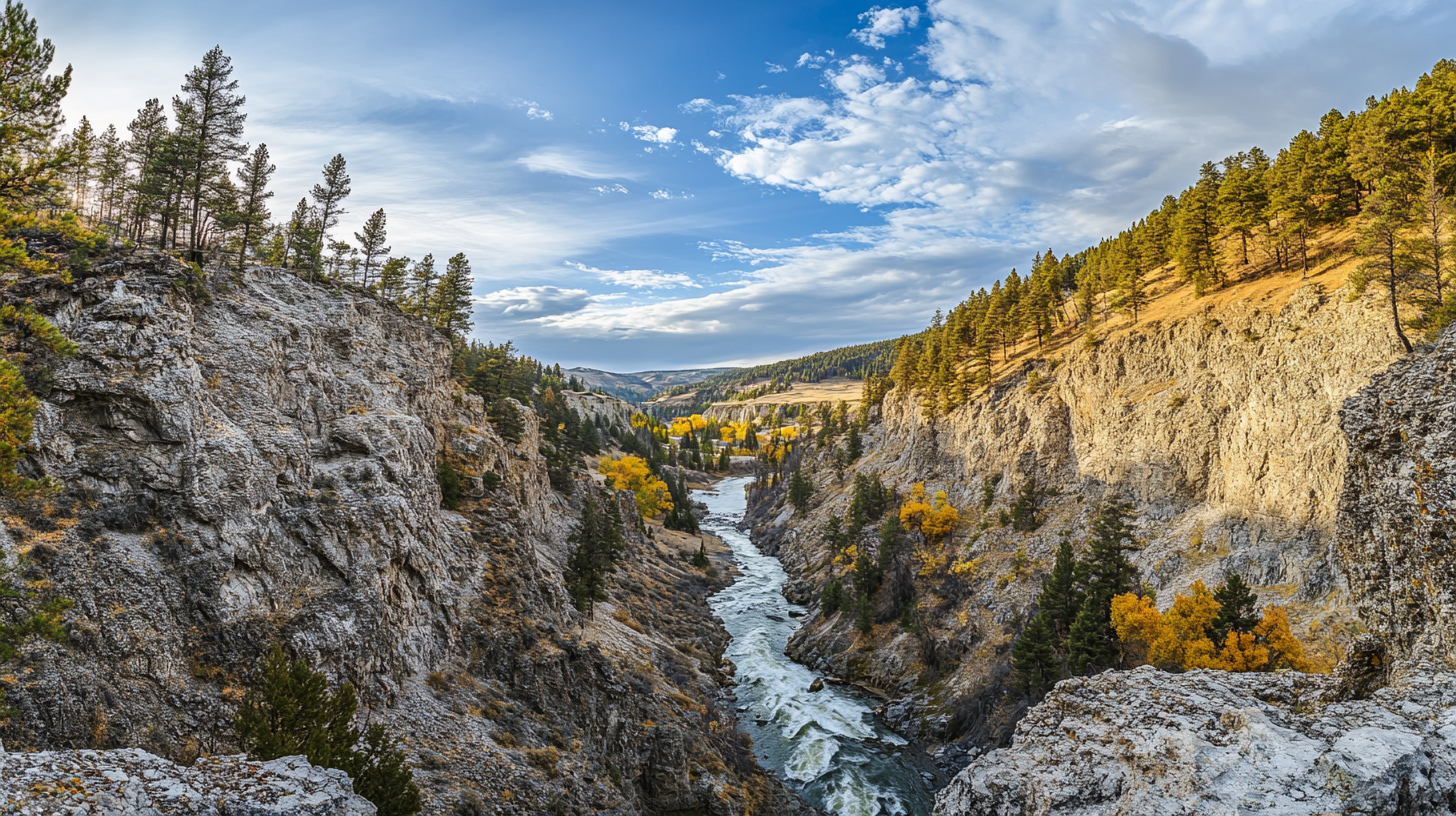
point(210, 121)
point(1238, 609)
point(1195, 232)
point(425, 279)
point(81, 147)
point(301, 239)
point(328, 199)
point(30, 109)
point(371, 244)
point(832, 599)
point(801, 490)
point(290, 710)
point(1023, 510)
point(1033, 658)
point(507, 420)
point(253, 195)
point(392, 279)
point(452, 302)
point(864, 617)
point(1092, 643)
point(1061, 592)
point(148, 132)
point(854, 446)
point(1387, 262)
point(599, 545)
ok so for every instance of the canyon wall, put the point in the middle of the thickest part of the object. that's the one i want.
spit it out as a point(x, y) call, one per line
point(253, 460)
point(1221, 429)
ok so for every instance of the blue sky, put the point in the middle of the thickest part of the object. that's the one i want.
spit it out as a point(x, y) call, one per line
point(648, 185)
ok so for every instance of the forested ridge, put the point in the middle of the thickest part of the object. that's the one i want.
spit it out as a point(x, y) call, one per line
point(855, 362)
point(1386, 173)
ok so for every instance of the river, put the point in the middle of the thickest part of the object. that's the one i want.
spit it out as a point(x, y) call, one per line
point(828, 745)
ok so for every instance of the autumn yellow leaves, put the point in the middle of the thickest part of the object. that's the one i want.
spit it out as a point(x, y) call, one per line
point(1182, 638)
point(632, 473)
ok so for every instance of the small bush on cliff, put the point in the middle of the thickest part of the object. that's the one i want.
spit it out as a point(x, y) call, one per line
point(290, 709)
point(449, 478)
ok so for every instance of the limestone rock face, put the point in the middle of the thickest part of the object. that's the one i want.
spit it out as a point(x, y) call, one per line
point(1144, 743)
point(1221, 429)
point(136, 783)
point(1398, 509)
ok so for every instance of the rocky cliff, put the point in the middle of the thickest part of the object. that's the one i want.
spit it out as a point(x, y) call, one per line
point(253, 460)
point(1220, 427)
point(1144, 742)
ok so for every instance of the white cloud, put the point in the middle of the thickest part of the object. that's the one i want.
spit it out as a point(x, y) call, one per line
point(533, 110)
point(657, 135)
point(810, 60)
point(615, 188)
point(885, 22)
point(775, 68)
point(639, 278)
point(533, 302)
point(571, 162)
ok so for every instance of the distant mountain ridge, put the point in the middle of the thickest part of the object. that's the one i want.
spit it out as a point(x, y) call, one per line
point(640, 385)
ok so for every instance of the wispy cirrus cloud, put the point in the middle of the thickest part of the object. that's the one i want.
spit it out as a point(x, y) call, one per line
point(639, 278)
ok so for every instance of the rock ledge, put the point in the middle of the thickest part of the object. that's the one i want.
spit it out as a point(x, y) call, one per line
point(127, 782)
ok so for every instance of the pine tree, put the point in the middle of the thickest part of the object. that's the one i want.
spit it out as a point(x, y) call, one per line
point(209, 130)
point(253, 195)
point(599, 545)
point(328, 199)
point(425, 279)
point(301, 238)
point(392, 279)
point(1091, 643)
point(1238, 609)
point(1387, 262)
point(148, 131)
point(801, 490)
point(1061, 592)
point(854, 445)
point(1033, 658)
point(832, 599)
point(290, 710)
point(30, 109)
point(1023, 510)
point(452, 302)
point(507, 420)
point(1195, 232)
point(371, 244)
point(81, 147)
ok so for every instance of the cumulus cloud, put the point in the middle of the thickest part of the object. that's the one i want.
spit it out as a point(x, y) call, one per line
point(604, 189)
point(656, 135)
point(885, 22)
point(533, 302)
point(775, 68)
point(639, 278)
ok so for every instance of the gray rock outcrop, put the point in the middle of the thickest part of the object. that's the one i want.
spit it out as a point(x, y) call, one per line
point(136, 783)
point(1145, 743)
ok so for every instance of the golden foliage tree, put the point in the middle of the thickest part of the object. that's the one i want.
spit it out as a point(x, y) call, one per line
point(935, 518)
point(632, 473)
point(1181, 638)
